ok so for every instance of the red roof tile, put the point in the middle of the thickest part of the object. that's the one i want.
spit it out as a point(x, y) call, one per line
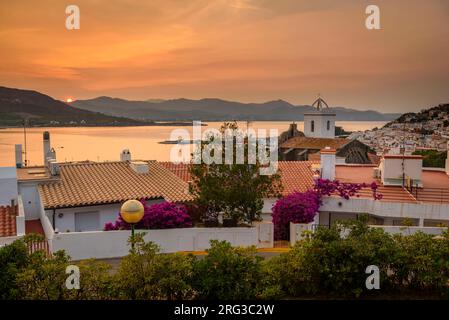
point(295, 175)
point(85, 184)
point(314, 143)
point(8, 221)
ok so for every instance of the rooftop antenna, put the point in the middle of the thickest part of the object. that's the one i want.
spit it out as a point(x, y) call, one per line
point(25, 140)
point(403, 154)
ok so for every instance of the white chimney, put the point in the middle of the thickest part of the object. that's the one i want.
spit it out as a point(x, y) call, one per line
point(53, 167)
point(328, 160)
point(125, 155)
point(140, 167)
point(47, 146)
point(19, 161)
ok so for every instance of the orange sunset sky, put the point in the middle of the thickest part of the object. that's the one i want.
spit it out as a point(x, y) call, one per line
point(243, 50)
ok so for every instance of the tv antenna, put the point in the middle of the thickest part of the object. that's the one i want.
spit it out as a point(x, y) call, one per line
point(25, 140)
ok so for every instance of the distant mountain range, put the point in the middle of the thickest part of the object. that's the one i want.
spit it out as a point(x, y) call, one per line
point(42, 110)
point(217, 110)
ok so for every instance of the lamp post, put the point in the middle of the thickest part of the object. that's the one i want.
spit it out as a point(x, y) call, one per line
point(132, 212)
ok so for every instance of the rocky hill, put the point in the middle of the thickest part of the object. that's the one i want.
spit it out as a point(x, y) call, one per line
point(41, 110)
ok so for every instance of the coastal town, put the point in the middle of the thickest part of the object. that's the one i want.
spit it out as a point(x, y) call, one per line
point(215, 159)
point(426, 130)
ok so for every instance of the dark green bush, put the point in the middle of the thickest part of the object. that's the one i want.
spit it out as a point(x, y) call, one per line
point(227, 272)
point(145, 274)
point(329, 264)
point(13, 259)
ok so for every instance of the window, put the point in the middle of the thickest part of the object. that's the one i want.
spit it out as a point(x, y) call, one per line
point(328, 125)
point(312, 126)
point(87, 221)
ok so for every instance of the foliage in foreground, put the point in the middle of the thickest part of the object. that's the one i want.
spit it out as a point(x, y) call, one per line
point(330, 263)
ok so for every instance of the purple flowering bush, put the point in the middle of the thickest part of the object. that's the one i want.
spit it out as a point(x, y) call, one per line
point(301, 207)
point(163, 215)
point(327, 187)
point(298, 207)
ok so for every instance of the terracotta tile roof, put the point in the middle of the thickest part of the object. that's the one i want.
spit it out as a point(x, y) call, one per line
point(314, 143)
point(8, 221)
point(179, 169)
point(374, 158)
point(295, 175)
point(85, 184)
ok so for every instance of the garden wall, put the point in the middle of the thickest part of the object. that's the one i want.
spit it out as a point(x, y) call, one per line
point(113, 244)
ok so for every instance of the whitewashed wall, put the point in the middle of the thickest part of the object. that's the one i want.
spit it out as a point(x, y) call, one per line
point(431, 211)
point(8, 185)
point(297, 229)
point(65, 218)
point(112, 244)
point(31, 200)
point(8, 240)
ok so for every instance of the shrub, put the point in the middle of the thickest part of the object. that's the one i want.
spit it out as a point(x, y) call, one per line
point(163, 215)
point(227, 272)
point(145, 274)
point(44, 277)
point(298, 207)
point(96, 281)
point(328, 264)
point(13, 259)
point(422, 263)
point(301, 207)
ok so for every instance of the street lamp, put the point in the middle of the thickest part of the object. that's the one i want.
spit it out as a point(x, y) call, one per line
point(132, 212)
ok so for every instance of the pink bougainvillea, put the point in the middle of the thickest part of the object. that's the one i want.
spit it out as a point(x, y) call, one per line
point(301, 207)
point(298, 207)
point(163, 215)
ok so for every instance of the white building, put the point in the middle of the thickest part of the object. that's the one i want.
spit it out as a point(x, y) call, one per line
point(321, 122)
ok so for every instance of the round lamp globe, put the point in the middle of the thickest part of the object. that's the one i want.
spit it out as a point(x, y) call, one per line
point(132, 211)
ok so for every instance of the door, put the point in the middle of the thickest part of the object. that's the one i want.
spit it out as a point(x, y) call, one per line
point(87, 221)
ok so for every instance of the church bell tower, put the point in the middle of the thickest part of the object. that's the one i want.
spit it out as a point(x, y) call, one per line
point(320, 123)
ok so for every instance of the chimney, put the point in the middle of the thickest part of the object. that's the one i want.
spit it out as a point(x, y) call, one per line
point(53, 167)
point(328, 160)
point(19, 161)
point(47, 147)
point(125, 155)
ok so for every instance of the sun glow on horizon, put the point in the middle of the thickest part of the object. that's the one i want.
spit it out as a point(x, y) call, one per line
point(69, 100)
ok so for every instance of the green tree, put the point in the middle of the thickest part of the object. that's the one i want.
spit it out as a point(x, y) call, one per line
point(236, 190)
point(432, 158)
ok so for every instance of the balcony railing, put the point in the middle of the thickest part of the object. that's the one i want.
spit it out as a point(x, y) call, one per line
point(432, 195)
